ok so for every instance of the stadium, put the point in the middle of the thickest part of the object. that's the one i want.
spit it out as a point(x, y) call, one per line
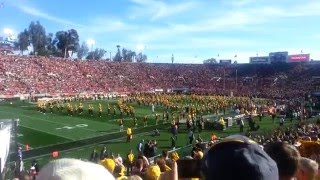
point(98, 116)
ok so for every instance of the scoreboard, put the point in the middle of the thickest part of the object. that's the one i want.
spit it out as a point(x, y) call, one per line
point(278, 57)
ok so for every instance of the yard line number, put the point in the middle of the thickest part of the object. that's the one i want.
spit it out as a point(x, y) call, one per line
point(72, 127)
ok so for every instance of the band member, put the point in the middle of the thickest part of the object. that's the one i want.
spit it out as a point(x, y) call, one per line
point(51, 107)
point(135, 122)
point(156, 117)
point(121, 124)
point(114, 110)
point(145, 121)
point(80, 108)
point(100, 110)
point(109, 109)
point(90, 109)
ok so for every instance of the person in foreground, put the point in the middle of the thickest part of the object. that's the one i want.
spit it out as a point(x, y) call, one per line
point(238, 158)
point(287, 158)
point(73, 169)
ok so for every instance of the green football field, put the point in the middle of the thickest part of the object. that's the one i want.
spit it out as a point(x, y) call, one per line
point(37, 129)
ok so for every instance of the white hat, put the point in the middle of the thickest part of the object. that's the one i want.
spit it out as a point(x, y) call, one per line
point(73, 169)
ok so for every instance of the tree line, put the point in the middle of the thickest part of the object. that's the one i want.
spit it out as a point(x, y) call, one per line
point(60, 43)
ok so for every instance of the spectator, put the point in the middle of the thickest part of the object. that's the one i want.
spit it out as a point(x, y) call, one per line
point(109, 164)
point(238, 157)
point(138, 168)
point(94, 157)
point(153, 172)
point(118, 160)
point(66, 169)
point(287, 158)
point(104, 153)
point(308, 169)
point(118, 172)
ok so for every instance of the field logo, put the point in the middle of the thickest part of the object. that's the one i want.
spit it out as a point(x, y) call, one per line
point(72, 127)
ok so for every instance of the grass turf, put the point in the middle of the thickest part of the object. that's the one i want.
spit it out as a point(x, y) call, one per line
point(39, 129)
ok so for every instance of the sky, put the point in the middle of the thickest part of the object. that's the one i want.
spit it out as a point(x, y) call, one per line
point(191, 30)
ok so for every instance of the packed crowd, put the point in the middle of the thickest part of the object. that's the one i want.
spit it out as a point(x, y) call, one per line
point(25, 75)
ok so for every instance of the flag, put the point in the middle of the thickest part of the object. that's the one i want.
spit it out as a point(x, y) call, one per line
point(235, 56)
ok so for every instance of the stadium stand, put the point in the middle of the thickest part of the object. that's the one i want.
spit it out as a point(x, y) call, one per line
point(36, 75)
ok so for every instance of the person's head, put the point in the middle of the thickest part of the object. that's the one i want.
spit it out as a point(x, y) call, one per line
point(109, 164)
point(198, 155)
point(139, 164)
point(308, 169)
point(238, 157)
point(165, 153)
point(161, 163)
point(153, 172)
point(286, 156)
point(118, 171)
point(65, 169)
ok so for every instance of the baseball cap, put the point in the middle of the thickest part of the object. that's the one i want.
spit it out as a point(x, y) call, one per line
point(73, 169)
point(238, 157)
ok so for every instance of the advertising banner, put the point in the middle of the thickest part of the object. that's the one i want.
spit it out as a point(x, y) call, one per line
point(228, 61)
point(299, 58)
point(260, 60)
